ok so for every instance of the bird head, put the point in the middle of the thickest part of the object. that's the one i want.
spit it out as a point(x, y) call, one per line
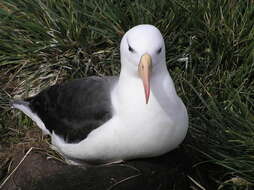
point(143, 54)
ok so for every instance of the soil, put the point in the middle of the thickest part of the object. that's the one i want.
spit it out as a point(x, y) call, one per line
point(37, 171)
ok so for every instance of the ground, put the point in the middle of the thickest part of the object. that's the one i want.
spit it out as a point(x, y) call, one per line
point(34, 166)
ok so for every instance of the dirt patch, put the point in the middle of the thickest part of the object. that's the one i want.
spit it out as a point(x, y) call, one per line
point(35, 166)
point(37, 171)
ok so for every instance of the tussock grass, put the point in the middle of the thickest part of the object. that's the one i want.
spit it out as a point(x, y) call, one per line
point(45, 42)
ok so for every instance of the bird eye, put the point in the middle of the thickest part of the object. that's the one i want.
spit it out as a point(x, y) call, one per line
point(159, 51)
point(131, 49)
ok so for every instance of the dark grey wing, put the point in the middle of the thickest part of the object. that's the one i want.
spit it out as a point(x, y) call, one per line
point(74, 109)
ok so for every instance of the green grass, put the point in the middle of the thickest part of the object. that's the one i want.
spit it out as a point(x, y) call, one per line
point(47, 41)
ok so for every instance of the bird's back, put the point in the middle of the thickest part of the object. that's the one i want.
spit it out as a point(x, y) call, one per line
point(72, 110)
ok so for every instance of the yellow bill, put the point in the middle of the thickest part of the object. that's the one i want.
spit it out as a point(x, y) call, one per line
point(144, 70)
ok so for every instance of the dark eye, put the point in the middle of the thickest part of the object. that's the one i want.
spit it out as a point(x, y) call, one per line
point(131, 49)
point(159, 51)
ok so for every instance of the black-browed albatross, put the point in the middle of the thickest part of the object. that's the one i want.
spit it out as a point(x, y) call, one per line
point(110, 119)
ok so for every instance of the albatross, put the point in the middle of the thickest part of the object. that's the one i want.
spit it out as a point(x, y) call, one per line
point(102, 120)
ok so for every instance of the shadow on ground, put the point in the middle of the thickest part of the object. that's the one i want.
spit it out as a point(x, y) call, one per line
point(166, 172)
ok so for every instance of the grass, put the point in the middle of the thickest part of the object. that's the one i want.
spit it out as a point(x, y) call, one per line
point(46, 42)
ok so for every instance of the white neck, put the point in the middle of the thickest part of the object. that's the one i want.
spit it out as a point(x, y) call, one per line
point(160, 78)
point(129, 90)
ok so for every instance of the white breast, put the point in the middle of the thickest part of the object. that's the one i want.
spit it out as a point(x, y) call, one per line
point(149, 129)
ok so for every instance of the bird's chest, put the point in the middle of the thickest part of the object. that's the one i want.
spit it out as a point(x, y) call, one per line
point(144, 129)
point(135, 118)
point(139, 113)
point(131, 108)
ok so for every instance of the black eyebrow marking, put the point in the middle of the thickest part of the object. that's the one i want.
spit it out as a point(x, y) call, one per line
point(159, 50)
point(130, 48)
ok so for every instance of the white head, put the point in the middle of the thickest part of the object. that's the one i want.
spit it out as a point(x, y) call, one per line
point(143, 54)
